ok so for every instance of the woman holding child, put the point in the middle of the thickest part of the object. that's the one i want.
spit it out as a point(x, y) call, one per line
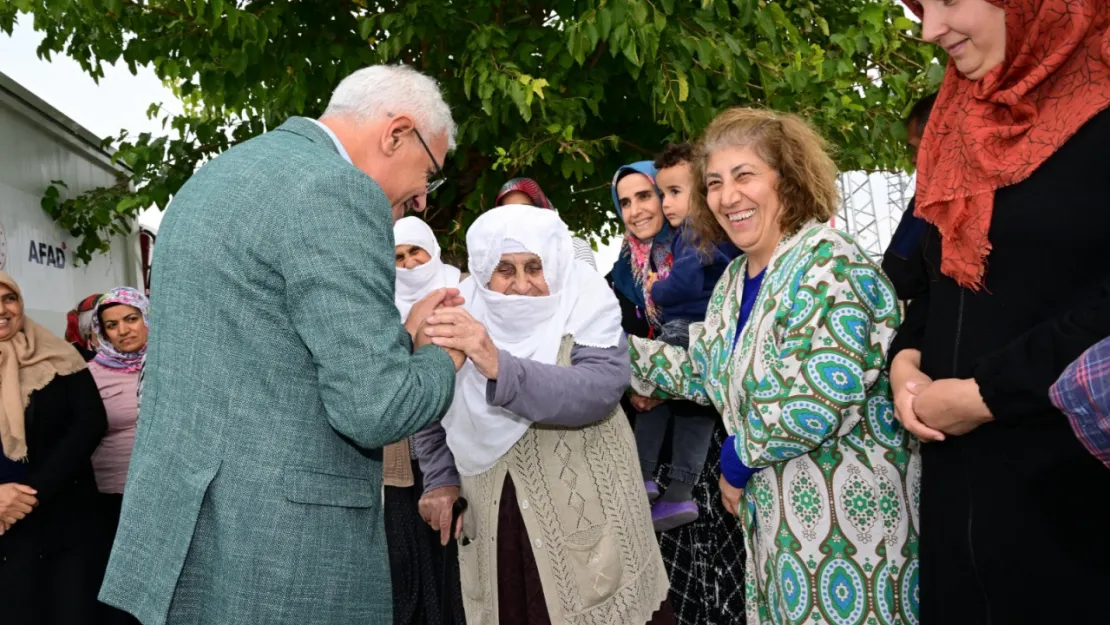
point(792, 353)
point(700, 542)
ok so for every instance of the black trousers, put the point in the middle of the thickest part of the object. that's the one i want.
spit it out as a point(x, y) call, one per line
point(417, 561)
point(43, 583)
point(109, 509)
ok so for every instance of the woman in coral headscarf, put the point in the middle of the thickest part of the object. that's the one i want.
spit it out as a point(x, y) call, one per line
point(1014, 182)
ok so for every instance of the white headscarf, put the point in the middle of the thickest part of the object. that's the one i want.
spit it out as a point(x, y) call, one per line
point(413, 284)
point(580, 304)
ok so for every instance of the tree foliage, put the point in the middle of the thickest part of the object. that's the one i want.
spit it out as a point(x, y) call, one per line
point(563, 91)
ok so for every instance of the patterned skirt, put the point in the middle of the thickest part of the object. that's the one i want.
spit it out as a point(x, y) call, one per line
point(705, 559)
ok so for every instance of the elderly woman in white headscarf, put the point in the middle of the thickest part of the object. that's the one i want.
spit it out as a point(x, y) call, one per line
point(420, 270)
point(415, 559)
point(558, 529)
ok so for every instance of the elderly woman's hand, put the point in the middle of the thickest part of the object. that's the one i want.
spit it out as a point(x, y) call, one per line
point(419, 312)
point(907, 380)
point(454, 328)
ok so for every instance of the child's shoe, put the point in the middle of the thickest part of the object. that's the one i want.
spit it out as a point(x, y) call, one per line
point(667, 515)
point(653, 492)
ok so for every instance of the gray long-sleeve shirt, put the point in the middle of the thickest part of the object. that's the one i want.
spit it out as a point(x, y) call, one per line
point(574, 396)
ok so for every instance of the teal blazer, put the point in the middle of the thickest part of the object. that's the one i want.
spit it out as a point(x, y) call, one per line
point(277, 369)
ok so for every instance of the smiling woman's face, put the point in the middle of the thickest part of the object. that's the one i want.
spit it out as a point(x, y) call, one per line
point(519, 274)
point(742, 192)
point(11, 313)
point(641, 208)
point(410, 256)
point(973, 32)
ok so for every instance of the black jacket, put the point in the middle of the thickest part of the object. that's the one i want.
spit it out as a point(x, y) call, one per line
point(65, 422)
point(1010, 508)
point(903, 261)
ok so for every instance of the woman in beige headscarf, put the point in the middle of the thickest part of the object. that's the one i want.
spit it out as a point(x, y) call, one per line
point(51, 420)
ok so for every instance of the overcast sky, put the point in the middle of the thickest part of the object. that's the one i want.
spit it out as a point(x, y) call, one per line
point(119, 102)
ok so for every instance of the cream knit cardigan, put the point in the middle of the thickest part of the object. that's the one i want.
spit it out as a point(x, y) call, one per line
point(583, 503)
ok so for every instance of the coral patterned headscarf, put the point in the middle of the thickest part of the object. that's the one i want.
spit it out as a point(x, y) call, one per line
point(73, 321)
point(528, 187)
point(995, 132)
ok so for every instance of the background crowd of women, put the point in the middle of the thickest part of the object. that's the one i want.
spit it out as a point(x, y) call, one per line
point(828, 460)
point(68, 427)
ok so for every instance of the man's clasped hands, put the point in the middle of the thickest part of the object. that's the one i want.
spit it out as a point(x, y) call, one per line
point(439, 319)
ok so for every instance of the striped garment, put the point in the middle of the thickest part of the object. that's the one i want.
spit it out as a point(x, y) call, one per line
point(583, 252)
point(1083, 394)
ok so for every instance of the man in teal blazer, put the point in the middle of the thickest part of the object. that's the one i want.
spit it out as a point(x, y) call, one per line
point(278, 368)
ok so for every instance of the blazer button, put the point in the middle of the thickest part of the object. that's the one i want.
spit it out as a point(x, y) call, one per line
point(524, 504)
point(538, 543)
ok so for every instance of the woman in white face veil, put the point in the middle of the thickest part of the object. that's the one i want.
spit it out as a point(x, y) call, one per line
point(415, 555)
point(558, 528)
point(419, 267)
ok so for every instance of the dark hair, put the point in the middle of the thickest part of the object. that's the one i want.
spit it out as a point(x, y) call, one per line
point(100, 311)
point(920, 112)
point(624, 173)
point(675, 154)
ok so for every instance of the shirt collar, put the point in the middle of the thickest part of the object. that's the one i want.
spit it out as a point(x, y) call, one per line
point(334, 139)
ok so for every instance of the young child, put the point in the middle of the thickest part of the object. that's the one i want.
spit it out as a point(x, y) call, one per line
point(682, 298)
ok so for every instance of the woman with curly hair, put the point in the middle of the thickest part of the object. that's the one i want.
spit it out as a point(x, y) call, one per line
point(792, 353)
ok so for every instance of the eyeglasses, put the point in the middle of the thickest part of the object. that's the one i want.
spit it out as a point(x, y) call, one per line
point(438, 178)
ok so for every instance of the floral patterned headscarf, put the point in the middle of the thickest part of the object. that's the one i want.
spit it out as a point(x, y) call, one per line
point(106, 354)
point(642, 260)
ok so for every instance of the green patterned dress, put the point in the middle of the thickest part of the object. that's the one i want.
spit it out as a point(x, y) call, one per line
point(831, 523)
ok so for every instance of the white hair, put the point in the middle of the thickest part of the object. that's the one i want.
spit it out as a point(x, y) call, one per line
point(383, 90)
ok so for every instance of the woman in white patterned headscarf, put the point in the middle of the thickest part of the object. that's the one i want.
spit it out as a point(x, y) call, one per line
point(415, 561)
point(419, 267)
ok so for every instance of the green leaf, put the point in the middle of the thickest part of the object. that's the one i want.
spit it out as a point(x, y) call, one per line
point(640, 12)
point(593, 34)
point(217, 11)
point(903, 23)
point(237, 62)
point(605, 22)
point(125, 204)
point(705, 52)
point(232, 22)
point(873, 15)
point(630, 51)
point(538, 85)
point(823, 24)
point(365, 27)
point(683, 88)
point(934, 75)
